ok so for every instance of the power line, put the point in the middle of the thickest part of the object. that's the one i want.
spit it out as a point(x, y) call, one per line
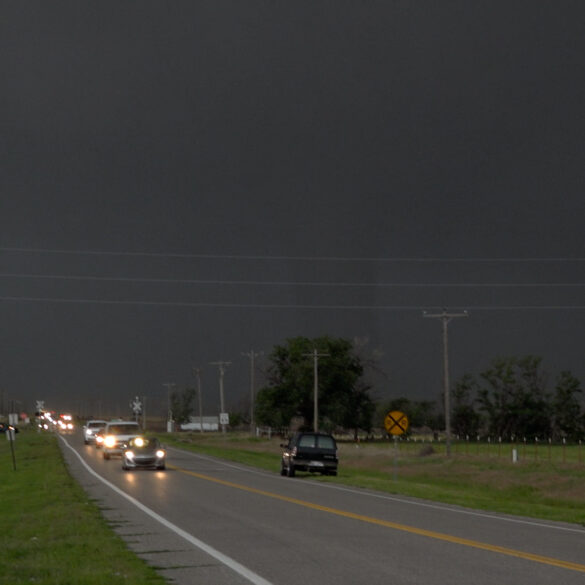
point(282, 306)
point(224, 282)
point(285, 258)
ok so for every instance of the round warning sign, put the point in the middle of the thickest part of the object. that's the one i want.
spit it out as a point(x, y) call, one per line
point(396, 423)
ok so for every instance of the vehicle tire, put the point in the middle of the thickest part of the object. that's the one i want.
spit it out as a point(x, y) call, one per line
point(86, 442)
point(282, 468)
point(161, 467)
point(106, 455)
point(290, 470)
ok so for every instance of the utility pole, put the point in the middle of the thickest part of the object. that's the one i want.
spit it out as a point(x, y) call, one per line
point(168, 386)
point(445, 317)
point(144, 413)
point(197, 374)
point(221, 365)
point(316, 355)
point(252, 355)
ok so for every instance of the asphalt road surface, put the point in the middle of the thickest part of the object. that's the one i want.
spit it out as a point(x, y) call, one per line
point(210, 522)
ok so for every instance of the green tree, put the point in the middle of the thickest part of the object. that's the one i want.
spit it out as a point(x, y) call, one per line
point(182, 404)
point(515, 400)
point(568, 417)
point(465, 420)
point(344, 398)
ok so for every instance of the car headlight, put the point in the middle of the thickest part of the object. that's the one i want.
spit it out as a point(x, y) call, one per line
point(129, 454)
point(160, 453)
point(110, 441)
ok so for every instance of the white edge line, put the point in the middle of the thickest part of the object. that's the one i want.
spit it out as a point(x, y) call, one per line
point(229, 562)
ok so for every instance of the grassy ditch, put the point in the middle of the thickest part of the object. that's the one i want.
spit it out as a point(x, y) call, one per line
point(547, 488)
point(51, 532)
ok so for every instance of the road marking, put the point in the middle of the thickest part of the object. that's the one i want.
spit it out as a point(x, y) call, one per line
point(394, 525)
point(224, 559)
point(382, 496)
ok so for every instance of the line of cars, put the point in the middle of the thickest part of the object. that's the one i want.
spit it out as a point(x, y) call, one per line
point(125, 438)
point(304, 451)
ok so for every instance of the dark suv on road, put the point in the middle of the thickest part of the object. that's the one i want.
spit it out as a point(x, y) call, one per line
point(314, 452)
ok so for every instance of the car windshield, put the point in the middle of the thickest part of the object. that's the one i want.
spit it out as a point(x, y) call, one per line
point(122, 429)
point(144, 443)
point(326, 442)
point(321, 441)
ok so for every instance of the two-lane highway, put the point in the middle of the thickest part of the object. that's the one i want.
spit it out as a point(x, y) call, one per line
point(255, 526)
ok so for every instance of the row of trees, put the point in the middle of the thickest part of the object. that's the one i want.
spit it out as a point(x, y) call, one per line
point(511, 399)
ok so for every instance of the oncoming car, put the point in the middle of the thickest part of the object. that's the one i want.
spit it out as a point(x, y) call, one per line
point(143, 452)
point(117, 435)
point(91, 428)
point(314, 452)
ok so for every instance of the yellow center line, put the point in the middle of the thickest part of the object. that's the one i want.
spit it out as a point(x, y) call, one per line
point(394, 525)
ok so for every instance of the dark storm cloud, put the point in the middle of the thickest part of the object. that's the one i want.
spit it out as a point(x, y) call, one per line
point(309, 129)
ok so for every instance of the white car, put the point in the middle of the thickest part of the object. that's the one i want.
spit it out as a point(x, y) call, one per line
point(91, 428)
point(117, 435)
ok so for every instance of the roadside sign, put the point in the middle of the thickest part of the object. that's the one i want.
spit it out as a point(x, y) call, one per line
point(136, 406)
point(224, 418)
point(396, 423)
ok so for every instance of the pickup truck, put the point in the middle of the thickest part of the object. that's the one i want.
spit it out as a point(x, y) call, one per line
point(117, 435)
point(313, 452)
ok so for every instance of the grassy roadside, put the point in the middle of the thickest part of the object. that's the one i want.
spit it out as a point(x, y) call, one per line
point(51, 532)
point(539, 487)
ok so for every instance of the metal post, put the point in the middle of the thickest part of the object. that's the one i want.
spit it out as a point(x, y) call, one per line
point(222, 366)
point(445, 318)
point(252, 355)
point(197, 374)
point(168, 386)
point(315, 355)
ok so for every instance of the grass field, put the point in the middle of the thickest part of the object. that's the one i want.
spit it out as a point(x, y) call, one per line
point(52, 533)
point(546, 482)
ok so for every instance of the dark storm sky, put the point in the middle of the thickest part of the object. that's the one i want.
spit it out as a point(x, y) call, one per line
point(182, 182)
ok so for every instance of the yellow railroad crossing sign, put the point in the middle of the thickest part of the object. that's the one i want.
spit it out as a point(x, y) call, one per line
point(396, 423)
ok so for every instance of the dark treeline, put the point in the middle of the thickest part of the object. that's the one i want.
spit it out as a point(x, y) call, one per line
point(512, 399)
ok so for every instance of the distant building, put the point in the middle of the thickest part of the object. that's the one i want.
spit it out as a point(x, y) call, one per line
point(210, 423)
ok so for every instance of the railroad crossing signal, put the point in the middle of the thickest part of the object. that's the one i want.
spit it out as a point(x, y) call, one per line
point(396, 423)
point(136, 406)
